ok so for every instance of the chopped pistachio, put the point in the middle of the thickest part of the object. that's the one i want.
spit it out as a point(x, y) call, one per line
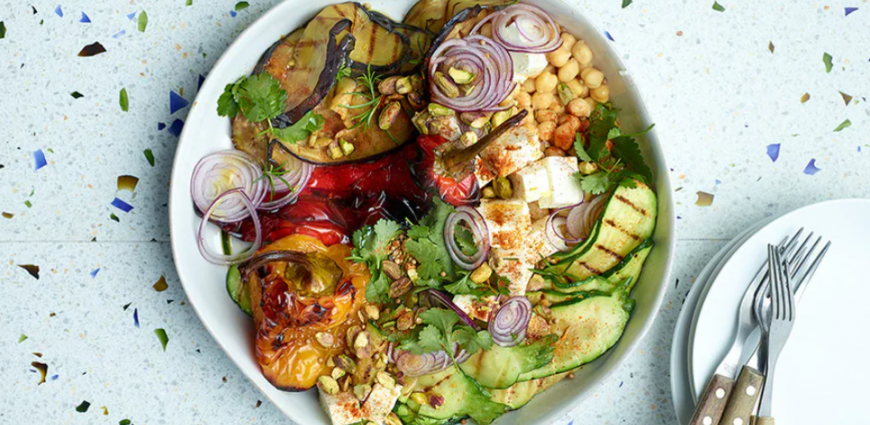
point(437, 110)
point(417, 82)
point(346, 363)
point(327, 384)
point(416, 101)
point(447, 86)
point(389, 85)
point(467, 89)
point(393, 270)
point(352, 332)
point(346, 147)
point(488, 192)
point(362, 391)
point(481, 274)
point(335, 150)
point(480, 122)
point(362, 340)
point(325, 339)
point(565, 93)
point(419, 398)
point(403, 85)
point(322, 142)
point(412, 274)
point(420, 120)
point(500, 117)
point(392, 419)
point(469, 138)
point(406, 321)
point(389, 114)
point(460, 76)
point(338, 373)
point(386, 380)
point(372, 311)
point(587, 168)
point(502, 187)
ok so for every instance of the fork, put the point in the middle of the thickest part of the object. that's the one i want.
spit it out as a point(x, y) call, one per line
point(776, 327)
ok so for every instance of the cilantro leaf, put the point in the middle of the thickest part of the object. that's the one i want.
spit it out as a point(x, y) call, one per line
point(597, 183)
point(626, 149)
point(464, 286)
point(370, 247)
point(227, 105)
point(427, 255)
point(472, 341)
point(581, 152)
point(309, 123)
point(432, 339)
point(601, 123)
point(465, 240)
point(418, 232)
point(440, 318)
point(378, 288)
point(261, 97)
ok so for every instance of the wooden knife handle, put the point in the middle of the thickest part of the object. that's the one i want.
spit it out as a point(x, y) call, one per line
point(743, 397)
point(764, 421)
point(712, 402)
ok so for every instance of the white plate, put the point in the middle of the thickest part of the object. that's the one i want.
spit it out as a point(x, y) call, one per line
point(821, 376)
point(684, 403)
point(205, 132)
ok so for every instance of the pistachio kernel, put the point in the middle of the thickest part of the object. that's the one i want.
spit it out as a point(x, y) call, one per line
point(419, 398)
point(403, 85)
point(389, 114)
point(386, 380)
point(362, 391)
point(393, 270)
point(338, 373)
point(447, 86)
point(327, 340)
point(327, 384)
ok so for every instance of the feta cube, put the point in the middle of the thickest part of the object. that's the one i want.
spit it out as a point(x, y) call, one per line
point(480, 308)
point(380, 402)
point(564, 187)
point(508, 221)
point(512, 265)
point(342, 408)
point(528, 65)
point(512, 151)
point(531, 183)
point(483, 173)
point(538, 244)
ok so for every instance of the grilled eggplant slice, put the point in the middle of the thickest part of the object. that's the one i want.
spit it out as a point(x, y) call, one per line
point(433, 15)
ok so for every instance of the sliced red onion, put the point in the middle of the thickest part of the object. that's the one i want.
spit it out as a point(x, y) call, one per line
point(297, 175)
point(475, 222)
point(580, 224)
point(221, 171)
point(508, 327)
point(418, 365)
point(445, 300)
point(487, 60)
point(222, 259)
point(563, 241)
point(536, 32)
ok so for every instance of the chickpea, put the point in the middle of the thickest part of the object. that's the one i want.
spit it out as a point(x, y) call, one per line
point(579, 108)
point(544, 115)
point(559, 57)
point(571, 120)
point(569, 71)
point(557, 107)
point(582, 53)
point(592, 103)
point(546, 130)
point(486, 30)
point(524, 100)
point(601, 94)
point(507, 103)
point(578, 88)
point(542, 100)
point(529, 86)
point(553, 151)
point(563, 137)
point(546, 83)
point(592, 78)
point(550, 68)
point(568, 41)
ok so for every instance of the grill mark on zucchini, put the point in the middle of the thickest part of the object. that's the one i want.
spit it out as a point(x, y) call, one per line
point(426, 390)
point(587, 267)
point(625, 200)
point(613, 224)
point(608, 251)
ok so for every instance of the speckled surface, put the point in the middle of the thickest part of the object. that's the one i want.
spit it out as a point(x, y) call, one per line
point(718, 94)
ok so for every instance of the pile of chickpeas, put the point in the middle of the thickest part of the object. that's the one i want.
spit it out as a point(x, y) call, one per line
point(558, 123)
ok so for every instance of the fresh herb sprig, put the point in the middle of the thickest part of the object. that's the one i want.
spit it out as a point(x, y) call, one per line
point(441, 331)
point(370, 247)
point(618, 161)
point(261, 98)
point(369, 81)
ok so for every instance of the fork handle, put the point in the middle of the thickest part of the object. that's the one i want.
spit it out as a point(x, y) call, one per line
point(764, 421)
point(712, 402)
point(743, 397)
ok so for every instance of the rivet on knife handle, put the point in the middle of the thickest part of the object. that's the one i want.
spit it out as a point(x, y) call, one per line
point(742, 402)
point(712, 402)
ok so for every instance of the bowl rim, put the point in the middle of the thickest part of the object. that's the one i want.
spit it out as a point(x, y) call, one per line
point(666, 214)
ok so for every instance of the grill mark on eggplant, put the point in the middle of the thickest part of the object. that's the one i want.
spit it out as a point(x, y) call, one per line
point(390, 26)
point(609, 252)
point(613, 224)
point(335, 56)
point(626, 201)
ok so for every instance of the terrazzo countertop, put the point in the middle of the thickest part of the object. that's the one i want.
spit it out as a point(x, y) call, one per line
point(746, 107)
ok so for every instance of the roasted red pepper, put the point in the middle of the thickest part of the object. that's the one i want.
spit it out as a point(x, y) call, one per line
point(456, 193)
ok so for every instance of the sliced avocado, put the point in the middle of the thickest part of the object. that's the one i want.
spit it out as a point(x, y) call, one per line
point(499, 367)
point(588, 327)
point(462, 396)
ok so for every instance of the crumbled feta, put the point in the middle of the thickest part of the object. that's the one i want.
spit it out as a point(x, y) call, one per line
point(342, 408)
point(526, 65)
point(538, 244)
point(511, 264)
point(380, 402)
point(531, 183)
point(514, 150)
point(480, 308)
point(508, 221)
point(564, 187)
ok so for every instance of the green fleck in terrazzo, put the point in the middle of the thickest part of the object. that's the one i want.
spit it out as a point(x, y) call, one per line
point(124, 100)
point(82, 408)
point(149, 156)
point(161, 335)
point(143, 21)
point(242, 5)
point(827, 59)
point(718, 7)
point(844, 125)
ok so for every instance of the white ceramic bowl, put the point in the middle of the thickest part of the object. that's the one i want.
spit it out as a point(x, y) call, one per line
point(206, 132)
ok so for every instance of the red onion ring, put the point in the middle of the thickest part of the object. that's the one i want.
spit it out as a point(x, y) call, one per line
point(297, 176)
point(508, 327)
point(532, 24)
point(219, 172)
point(445, 300)
point(479, 230)
point(490, 64)
point(227, 260)
point(555, 236)
point(580, 224)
